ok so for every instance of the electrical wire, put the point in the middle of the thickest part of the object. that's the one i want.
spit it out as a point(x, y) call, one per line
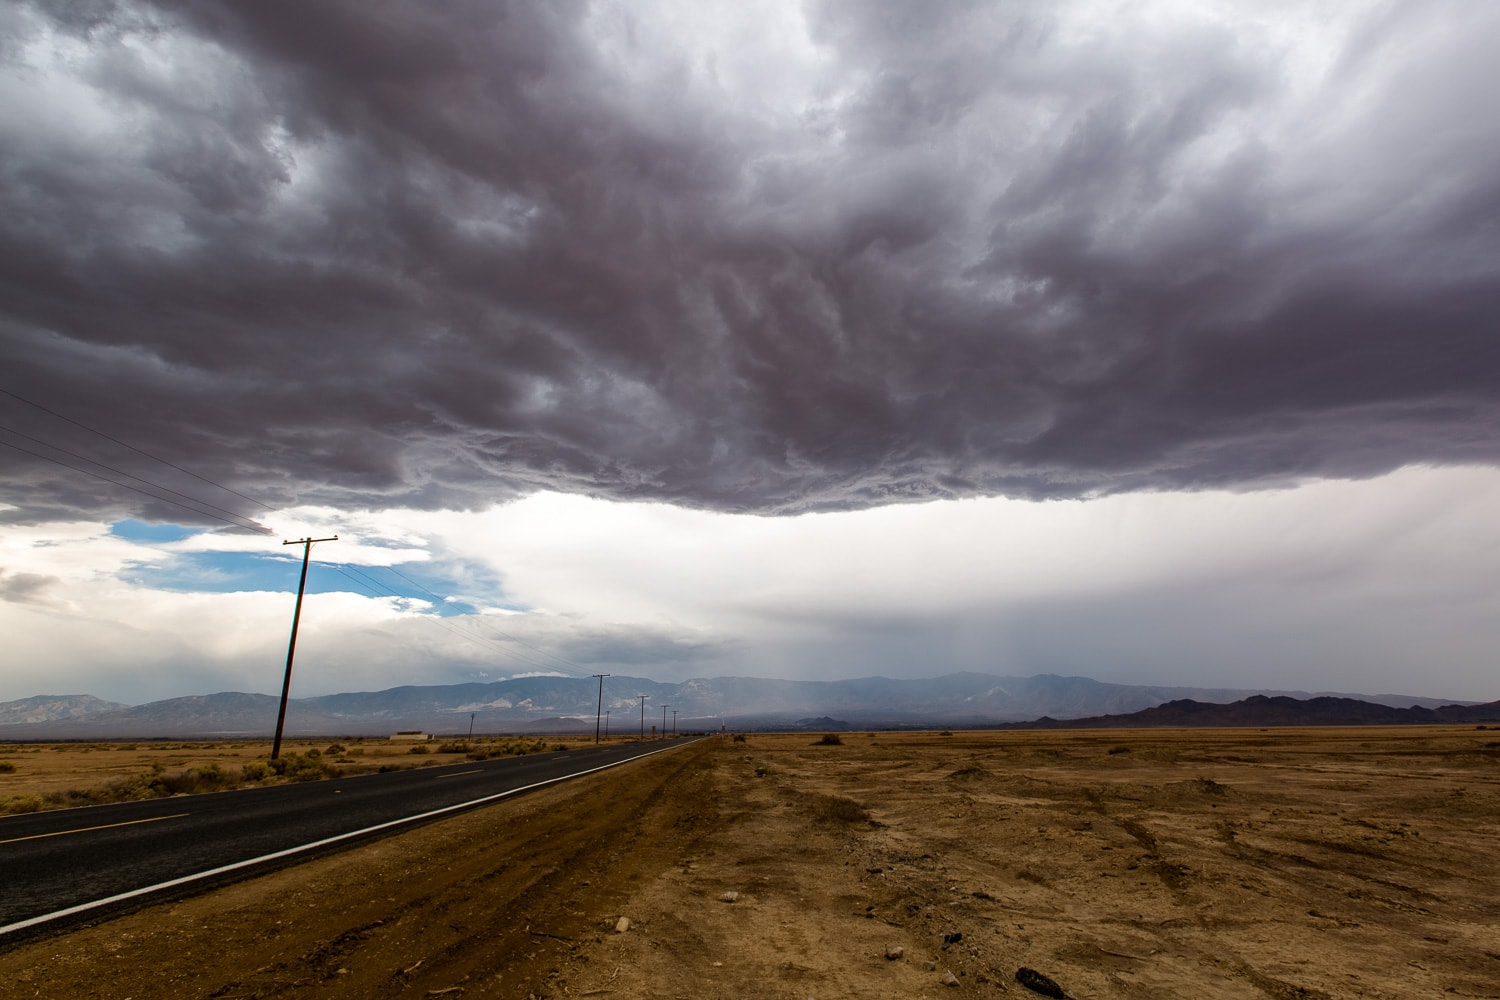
point(138, 451)
point(251, 526)
point(127, 475)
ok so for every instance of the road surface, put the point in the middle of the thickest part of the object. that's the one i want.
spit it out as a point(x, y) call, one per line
point(76, 864)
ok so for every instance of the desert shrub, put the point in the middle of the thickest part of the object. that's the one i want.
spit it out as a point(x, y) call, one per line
point(829, 740)
point(335, 750)
point(152, 784)
point(7, 767)
point(1115, 750)
point(208, 778)
point(739, 737)
point(453, 748)
point(303, 767)
point(512, 748)
point(419, 748)
point(560, 747)
point(355, 752)
point(1209, 786)
point(255, 770)
point(836, 809)
point(22, 804)
point(946, 732)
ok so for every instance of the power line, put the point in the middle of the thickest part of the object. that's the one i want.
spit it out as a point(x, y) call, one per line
point(252, 526)
point(122, 472)
point(138, 451)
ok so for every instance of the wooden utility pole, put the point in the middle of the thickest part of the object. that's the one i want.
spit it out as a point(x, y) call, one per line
point(599, 708)
point(664, 721)
point(291, 647)
point(643, 716)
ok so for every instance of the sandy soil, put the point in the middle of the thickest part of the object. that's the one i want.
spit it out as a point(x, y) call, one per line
point(1282, 864)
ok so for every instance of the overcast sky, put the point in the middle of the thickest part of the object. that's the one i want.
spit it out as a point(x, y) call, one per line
point(1158, 343)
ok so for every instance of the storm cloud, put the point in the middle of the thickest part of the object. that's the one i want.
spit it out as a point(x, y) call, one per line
point(753, 258)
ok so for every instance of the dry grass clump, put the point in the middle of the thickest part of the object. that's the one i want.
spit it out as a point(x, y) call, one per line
point(511, 748)
point(835, 809)
point(7, 767)
point(308, 766)
point(829, 740)
point(157, 783)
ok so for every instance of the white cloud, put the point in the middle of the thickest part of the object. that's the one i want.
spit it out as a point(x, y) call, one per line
point(1372, 586)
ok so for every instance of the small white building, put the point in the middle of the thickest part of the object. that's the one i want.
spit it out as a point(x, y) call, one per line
point(411, 736)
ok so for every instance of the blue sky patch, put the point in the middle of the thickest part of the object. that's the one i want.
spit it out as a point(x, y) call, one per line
point(233, 572)
point(144, 531)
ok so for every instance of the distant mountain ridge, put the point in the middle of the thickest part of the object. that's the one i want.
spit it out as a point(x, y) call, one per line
point(54, 707)
point(533, 703)
point(1261, 710)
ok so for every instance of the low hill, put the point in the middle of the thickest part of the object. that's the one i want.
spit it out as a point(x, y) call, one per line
point(1261, 710)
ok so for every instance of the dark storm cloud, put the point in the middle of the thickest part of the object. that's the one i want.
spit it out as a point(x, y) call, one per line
point(444, 254)
point(27, 588)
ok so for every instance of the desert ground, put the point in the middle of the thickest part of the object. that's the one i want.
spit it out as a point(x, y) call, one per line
point(1350, 862)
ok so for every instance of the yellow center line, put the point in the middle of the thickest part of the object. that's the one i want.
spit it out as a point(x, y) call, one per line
point(457, 773)
point(87, 829)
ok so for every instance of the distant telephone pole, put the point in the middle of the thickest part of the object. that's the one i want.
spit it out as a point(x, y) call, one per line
point(664, 721)
point(291, 647)
point(643, 716)
point(674, 722)
point(599, 707)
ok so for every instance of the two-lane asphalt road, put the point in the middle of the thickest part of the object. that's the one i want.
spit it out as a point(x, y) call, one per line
point(76, 863)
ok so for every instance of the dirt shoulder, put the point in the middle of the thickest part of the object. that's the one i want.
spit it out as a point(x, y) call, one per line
point(490, 903)
point(1221, 864)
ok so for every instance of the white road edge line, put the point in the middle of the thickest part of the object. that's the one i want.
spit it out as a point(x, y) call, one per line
point(184, 880)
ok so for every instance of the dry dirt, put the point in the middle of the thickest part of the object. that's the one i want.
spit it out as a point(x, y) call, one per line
point(1221, 863)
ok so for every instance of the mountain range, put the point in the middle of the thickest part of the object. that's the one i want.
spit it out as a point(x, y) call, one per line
point(560, 704)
